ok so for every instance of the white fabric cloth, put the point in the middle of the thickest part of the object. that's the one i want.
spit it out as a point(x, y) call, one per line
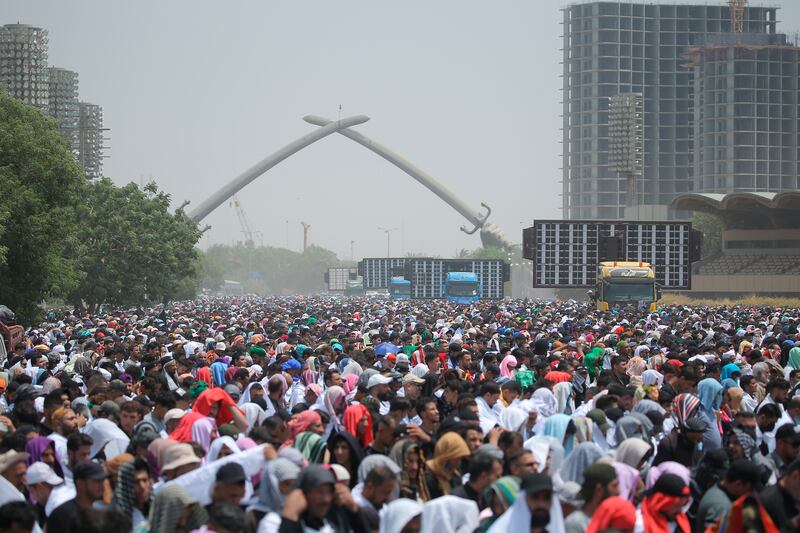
point(216, 447)
point(451, 514)
point(395, 515)
point(198, 483)
point(518, 517)
point(488, 416)
point(106, 436)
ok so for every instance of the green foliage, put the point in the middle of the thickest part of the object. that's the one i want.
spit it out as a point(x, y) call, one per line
point(488, 253)
point(267, 270)
point(40, 182)
point(133, 249)
point(712, 227)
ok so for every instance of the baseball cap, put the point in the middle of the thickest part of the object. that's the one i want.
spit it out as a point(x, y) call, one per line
point(537, 482)
point(39, 472)
point(402, 359)
point(174, 414)
point(89, 470)
point(412, 378)
point(117, 384)
point(669, 484)
point(231, 474)
point(109, 407)
point(377, 379)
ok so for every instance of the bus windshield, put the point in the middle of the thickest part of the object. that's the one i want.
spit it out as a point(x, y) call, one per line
point(403, 290)
point(464, 288)
point(628, 292)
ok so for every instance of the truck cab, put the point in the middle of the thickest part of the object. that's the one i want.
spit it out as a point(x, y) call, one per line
point(399, 288)
point(462, 287)
point(626, 284)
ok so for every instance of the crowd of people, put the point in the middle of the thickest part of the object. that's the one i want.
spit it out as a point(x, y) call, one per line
point(326, 414)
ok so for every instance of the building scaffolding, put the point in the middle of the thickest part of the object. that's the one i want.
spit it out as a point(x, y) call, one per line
point(23, 63)
point(63, 105)
point(91, 140)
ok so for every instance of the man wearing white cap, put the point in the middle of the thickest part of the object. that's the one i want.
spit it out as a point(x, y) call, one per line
point(41, 480)
point(12, 468)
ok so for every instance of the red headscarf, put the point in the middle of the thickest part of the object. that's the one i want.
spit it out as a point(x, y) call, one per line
point(614, 512)
point(204, 374)
point(208, 398)
point(655, 521)
point(352, 416)
point(183, 433)
point(302, 421)
point(556, 376)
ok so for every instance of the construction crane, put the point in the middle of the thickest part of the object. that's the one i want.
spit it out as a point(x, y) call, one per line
point(244, 223)
point(306, 227)
point(737, 15)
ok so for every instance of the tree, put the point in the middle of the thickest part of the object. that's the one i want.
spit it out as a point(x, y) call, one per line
point(134, 249)
point(711, 226)
point(40, 183)
point(489, 253)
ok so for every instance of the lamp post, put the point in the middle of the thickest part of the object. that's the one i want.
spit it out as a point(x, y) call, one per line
point(625, 131)
point(388, 232)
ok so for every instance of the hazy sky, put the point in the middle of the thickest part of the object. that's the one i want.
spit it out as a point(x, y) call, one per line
point(194, 92)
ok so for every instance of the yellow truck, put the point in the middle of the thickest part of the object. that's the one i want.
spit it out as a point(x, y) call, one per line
point(626, 284)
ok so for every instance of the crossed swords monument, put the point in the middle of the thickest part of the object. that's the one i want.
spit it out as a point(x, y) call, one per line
point(491, 234)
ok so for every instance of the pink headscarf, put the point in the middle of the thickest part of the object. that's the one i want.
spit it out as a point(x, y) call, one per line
point(507, 366)
point(309, 377)
point(316, 389)
point(202, 431)
point(628, 478)
point(350, 383)
point(335, 397)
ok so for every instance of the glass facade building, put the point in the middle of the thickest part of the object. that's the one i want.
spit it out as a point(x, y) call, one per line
point(624, 47)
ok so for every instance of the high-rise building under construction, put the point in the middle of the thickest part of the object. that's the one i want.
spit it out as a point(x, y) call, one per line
point(634, 47)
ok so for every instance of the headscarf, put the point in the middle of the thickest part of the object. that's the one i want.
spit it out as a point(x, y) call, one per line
point(311, 445)
point(124, 498)
point(518, 517)
point(395, 515)
point(514, 419)
point(352, 416)
point(582, 456)
point(300, 423)
point(204, 374)
point(629, 427)
point(563, 394)
point(654, 520)
point(270, 498)
point(709, 391)
point(309, 377)
point(684, 407)
point(350, 383)
point(505, 490)
point(589, 360)
point(632, 451)
point(667, 467)
point(210, 397)
point(584, 429)
point(183, 432)
point(169, 505)
point(652, 377)
point(636, 366)
point(449, 446)
point(613, 513)
point(218, 369)
point(747, 442)
point(735, 394)
point(728, 370)
point(628, 478)
point(545, 402)
point(794, 358)
point(216, 447)
point(106, 437)
point(556, 426)
point(332, 398)
point(36, 447)
point(398, 454)
point(544, 448)
point(155, 454)
point(450, 514)
point(645, 406)
point(507, 366)
point(254, 415)
point(202, 430)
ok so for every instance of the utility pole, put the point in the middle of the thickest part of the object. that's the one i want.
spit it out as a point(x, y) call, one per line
point(388, 232)
point(306, 227)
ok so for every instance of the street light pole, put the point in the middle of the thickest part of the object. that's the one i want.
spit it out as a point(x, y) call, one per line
point(388, 232)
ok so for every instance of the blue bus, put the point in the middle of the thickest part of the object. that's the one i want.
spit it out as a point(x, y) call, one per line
point(462, 287)
point(399, 288)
